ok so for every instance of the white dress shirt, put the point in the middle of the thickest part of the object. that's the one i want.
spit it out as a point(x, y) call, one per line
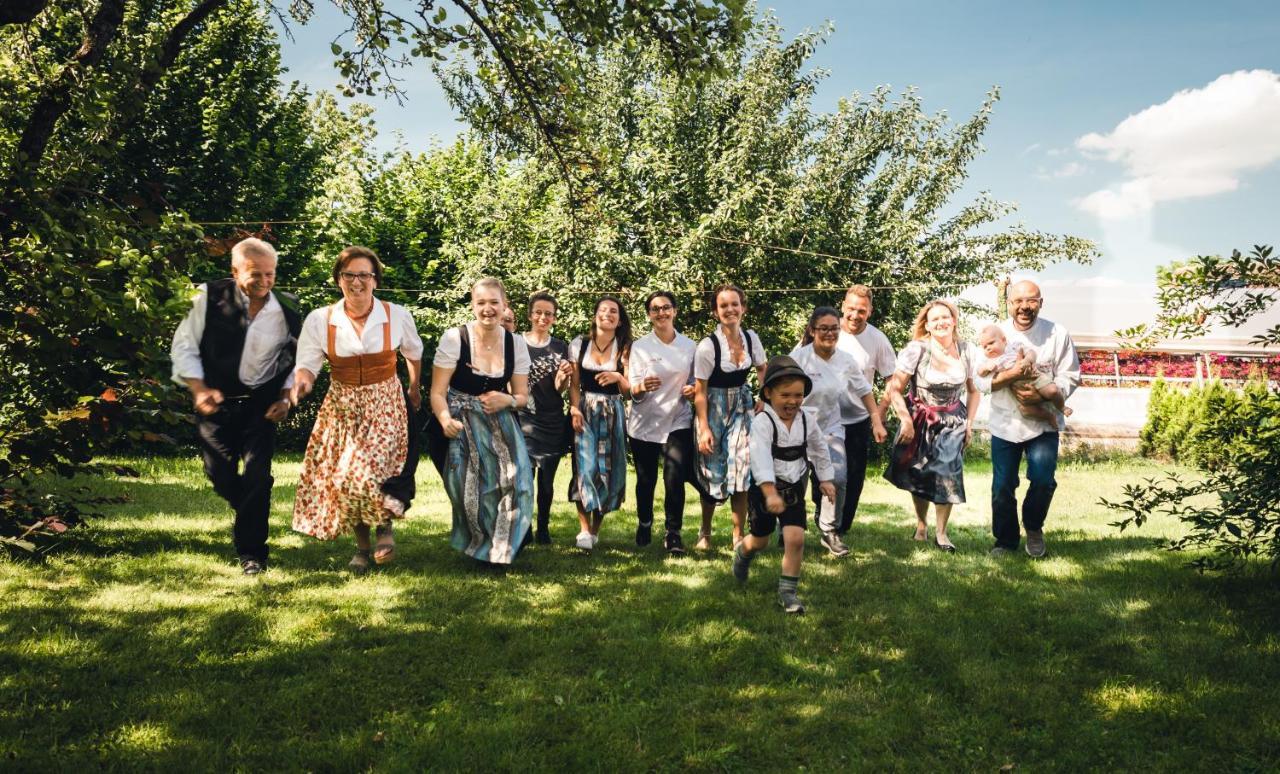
point(313, 344)
point(838, 389)
point(872, 351)
point(1055, 355)
point(705, 356)
point(653, 415)
point(266, 333)
point(766, 470)
point(450, 349)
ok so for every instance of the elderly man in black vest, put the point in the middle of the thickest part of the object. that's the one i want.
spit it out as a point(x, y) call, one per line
point(235, 353)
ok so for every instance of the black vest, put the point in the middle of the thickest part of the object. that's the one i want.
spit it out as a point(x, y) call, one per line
point(720, 378)
point(226, 323)
point(791, 492)
point(466, 379)
point(587, 376)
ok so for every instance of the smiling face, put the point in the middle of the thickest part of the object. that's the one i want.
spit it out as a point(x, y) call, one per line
point(939, 322)
point(730, 308)
point(1024, 304)
point(357, 281)
point(607, 315)
point(509, 319)
point(857, 310)
point(254, 273)
point(662, 313)
point(487, 305)
point(542, 315)
point(825, 332)
point(786, 397)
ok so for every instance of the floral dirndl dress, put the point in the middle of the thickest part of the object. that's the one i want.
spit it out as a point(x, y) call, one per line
point(599, 481)
point(931, 465)
point(726, 471)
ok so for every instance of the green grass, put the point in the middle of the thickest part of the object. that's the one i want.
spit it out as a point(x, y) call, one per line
point(141, 646)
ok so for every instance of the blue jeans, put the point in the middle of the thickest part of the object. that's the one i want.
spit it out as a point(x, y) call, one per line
point(1042, 462)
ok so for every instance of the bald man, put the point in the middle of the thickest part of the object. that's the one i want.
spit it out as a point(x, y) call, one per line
point(235, 352)
point(1015, 435)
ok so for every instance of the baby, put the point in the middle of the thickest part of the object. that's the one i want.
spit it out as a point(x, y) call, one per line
point(1002, 357)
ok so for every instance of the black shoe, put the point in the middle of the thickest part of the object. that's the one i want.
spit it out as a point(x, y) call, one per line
point(644, 534)
point(673, 544)
point(251, 565)
point(543, 537)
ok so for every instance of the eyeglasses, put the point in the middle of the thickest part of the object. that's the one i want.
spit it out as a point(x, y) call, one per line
point(1035, 301)
point(543, 313)
point(827, 329)
point(352, 276)
point(661, 308)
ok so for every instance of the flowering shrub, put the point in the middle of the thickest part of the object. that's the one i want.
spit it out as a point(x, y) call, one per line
point(1098, 364)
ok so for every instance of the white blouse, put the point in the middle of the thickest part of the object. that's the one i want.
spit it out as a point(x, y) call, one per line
point(957, 373)
point(589, 361)
point(765, 469)
point(838, 388)
point(654, 415)
point(314, 341)
point(267, 333)
point(450, 349)
point(704, 359)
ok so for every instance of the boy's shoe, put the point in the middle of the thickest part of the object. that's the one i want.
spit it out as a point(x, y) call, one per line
point(644, 534)
point(586, 541)
point(1035, 543)
point(673, 544)
point(999, 552)
point(832, 542)
point(742, 565)
point(791, 603)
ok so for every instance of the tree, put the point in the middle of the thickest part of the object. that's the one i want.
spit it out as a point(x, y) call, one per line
point(1233, 512)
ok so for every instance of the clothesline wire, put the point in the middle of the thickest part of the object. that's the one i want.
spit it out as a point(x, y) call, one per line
point(447, 293)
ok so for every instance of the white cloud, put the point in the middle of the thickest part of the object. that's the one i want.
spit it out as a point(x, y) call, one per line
point(1070, 169)
point(1197, 143)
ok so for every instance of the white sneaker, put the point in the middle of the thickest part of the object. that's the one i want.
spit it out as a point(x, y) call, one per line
point(586, 541)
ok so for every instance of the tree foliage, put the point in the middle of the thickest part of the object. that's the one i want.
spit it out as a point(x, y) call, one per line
point(1231, 436)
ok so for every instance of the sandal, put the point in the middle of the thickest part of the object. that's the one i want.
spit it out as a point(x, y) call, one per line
point(384, 550)
point(361, 562)
point(921, 537)
point(704, 541)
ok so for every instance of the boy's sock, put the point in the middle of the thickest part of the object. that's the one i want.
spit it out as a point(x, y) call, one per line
point(787, 586)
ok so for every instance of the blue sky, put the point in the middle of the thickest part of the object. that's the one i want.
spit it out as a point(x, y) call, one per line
point(1199, 173)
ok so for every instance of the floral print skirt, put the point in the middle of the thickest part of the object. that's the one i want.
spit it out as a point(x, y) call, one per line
point(360, 440)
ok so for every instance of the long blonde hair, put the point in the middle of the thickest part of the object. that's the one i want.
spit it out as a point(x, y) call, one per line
point(918, 329)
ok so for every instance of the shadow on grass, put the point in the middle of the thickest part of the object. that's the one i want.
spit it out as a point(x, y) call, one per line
point(147, 649)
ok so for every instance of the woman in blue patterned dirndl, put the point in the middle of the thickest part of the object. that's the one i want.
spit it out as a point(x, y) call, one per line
point(480, 377)
point(599, 425)
point(723, 403)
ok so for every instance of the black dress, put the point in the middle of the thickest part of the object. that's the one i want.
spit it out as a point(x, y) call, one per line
point(545, 424)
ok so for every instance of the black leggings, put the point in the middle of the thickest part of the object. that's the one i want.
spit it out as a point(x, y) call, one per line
point(678, 457)
point(545, 475)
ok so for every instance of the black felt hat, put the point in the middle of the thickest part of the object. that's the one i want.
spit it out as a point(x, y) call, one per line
point(784, 367)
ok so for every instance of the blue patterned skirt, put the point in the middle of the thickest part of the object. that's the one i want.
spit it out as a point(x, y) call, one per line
point(727, 469)
point(489, 481)
point(600, 454)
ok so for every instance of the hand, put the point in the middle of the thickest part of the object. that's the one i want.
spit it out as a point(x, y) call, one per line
point(908, 431)
point(704, 440)
point(415, 397)
point(606, 378)
point(303, 382)
point(277, 411)
point(494, 401)
point(688, 391)
point(651, 383)
point(828, 490)
point(575, 416)
point(877, 429)
point(968, 435)
point(773, 503)
point(564, 372)
point(452, 427)
point(207, 401)
point(1025, 393)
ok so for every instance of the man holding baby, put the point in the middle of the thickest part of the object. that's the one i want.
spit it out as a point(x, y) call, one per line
point(1026, 416)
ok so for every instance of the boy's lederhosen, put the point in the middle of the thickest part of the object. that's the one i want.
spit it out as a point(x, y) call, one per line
point(761, 521)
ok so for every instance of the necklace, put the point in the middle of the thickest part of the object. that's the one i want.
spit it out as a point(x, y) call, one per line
point(358, 317)
point(605, 348)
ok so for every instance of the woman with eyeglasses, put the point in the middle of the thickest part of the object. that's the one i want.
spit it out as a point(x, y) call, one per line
point(595, 405)
point(544, 423)
point(660, 422)
point(839, 386)
point(479, 380)
point(360, 439)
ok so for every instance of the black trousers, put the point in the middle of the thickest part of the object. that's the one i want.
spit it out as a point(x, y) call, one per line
point(239, 434)
point(857, 445)
point(544, 472)
point(679, 455)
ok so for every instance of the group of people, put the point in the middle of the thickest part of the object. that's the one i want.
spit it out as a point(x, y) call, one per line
point(498, 426)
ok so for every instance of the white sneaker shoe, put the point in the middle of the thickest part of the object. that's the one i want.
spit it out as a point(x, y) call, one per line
point(586, 541)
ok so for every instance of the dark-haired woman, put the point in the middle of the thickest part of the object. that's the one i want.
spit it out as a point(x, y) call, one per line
point(479, 379)
point(838, 386)
point(724, 403)
point(660, 422)
point(595, 406)
point(544, 423)
point(360, 439)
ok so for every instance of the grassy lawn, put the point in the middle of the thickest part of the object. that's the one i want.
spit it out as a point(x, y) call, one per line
point(141, 646)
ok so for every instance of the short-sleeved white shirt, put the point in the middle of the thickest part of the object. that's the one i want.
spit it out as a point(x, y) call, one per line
point(451, 347)
point(872, 351)
point(653, 415)
point(838, 389)
point(704, 358)
point(314, 341)
point(966, 368)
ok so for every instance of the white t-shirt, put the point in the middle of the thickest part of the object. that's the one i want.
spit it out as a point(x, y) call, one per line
point(314, 341)
point(705, 356)
point(765, 469)
point(1056, 358)
point(872, 351)
point(653, 415)
point(838, 389)
point(451, 347)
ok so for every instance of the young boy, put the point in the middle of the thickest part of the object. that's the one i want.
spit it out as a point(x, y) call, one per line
point(1002, 357)
point(784, 441)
